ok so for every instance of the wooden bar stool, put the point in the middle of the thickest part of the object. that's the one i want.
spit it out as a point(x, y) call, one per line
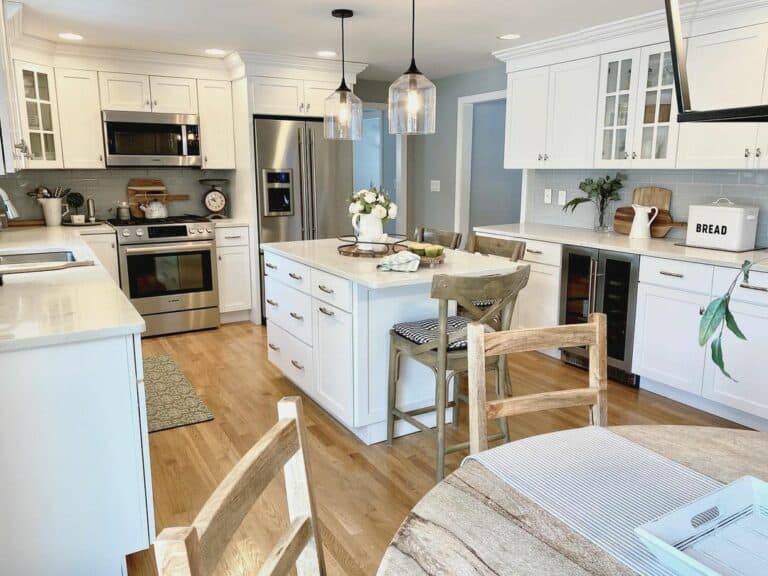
point(445, 238)
point(441, 344)
point(504, 247)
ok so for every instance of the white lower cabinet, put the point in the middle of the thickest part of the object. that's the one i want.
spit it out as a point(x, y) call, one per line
point(104, 247)
point(233, 264)
point(333, 359)
point(538, 303)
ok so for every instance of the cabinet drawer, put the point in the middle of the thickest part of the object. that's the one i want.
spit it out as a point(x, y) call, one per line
point(288, 272)
point(277, 350)
point(289, 309)
point(543, 252)
point(292, 356)
point(756, 293)
point(332, 289)
point(234, 236)
point(676, 274)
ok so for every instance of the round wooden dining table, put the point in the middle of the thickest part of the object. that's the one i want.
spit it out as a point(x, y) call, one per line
point(474, 523)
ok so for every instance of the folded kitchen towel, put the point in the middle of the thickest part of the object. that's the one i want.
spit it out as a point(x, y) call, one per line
point(400, 262)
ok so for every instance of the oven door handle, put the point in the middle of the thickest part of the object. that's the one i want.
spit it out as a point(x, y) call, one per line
point(166, 248)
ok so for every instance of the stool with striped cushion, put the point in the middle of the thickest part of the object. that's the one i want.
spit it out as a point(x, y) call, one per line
point(441, 344)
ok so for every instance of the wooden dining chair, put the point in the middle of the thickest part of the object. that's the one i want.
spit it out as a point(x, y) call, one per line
point(446, 238)
point(499, 344)
point(195, 550)
point(504, 247)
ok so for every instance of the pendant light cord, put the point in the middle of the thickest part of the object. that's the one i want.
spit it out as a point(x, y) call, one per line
point(343, 74)
point(413, 31)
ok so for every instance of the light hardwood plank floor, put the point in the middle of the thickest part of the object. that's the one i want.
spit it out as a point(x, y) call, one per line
point(362, 492)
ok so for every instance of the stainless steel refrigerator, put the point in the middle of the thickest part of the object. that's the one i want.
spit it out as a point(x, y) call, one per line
point(304, 182)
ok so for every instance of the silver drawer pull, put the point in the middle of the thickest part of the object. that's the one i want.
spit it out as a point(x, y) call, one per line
point(534, 251)
point(270, 266)
point(325, 289)
point(232, 237)
point(296, 316)
point(750, 287)
point(273, 347)
point(673, 274)
point(295, 276)
point(327, 312)
point(297, 365)
point(271, 302)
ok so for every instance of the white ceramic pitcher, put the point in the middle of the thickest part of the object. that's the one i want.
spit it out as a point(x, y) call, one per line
point(368, 228)
point(641, 224)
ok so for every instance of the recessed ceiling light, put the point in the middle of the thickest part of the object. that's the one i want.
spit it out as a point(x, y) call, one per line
point(215, 52)
point(69, 36)
point(326, 54)
point(508, 36)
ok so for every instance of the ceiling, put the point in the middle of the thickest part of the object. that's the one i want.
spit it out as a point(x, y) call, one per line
point(453, 36)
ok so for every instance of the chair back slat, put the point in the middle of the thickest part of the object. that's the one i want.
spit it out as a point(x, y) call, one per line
point(505, 247)
point(540, 402)
point(286, 552)
point(446, 238)
point(529, 340)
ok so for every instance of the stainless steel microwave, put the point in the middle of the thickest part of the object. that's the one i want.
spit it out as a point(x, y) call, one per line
point(151, 139)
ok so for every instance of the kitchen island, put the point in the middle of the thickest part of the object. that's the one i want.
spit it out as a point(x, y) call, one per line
point(328, 322)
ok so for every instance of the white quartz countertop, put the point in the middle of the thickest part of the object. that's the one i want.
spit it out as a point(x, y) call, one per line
point(658, 247)
point(48, 308)
point(323, 255)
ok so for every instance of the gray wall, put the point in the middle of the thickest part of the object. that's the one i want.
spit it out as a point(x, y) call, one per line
point(494, 191)
point(372, 90)
point(688, 187)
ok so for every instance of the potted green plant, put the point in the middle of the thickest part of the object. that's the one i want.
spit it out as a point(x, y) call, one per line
point(601, 192)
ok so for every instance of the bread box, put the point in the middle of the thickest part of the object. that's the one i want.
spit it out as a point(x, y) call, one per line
point(722, 225)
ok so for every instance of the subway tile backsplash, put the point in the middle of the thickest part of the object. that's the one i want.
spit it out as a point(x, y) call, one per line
point(688, 187)
point(107, 187)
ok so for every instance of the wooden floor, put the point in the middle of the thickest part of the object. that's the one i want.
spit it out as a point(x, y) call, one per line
point(363, 492)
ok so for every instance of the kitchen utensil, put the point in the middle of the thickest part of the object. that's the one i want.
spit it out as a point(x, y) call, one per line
point(53, 210)
point(123, 211)
point(154, 210)
point(660, 227)
point(722, 225)
point(652, 196)
point(90, 210)
point(40, 192)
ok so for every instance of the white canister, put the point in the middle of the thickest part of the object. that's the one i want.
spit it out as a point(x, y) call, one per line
point(722, 225)
point(53, 210)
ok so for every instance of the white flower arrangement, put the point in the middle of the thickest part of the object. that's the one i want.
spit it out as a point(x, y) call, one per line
point(373, 201)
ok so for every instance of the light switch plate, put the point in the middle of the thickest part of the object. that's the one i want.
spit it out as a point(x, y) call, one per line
point(434, 185)
point(561, 198)
point(547, 196)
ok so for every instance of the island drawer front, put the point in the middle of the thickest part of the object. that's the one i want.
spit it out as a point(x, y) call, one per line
point(234, 236)
point(754, 292)
point(292, 356)
point(277, 350)
point(543, 252)
point(332, 289)
point(289, 309)
point(288, 272)
point(687, 276)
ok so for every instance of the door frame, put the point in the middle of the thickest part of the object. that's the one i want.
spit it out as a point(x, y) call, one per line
point(464, 124)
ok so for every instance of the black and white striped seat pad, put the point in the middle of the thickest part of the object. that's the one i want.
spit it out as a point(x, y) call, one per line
point(423, 331)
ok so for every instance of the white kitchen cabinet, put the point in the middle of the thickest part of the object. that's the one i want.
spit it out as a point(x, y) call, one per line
point(616, 108)
point(525, 138)
point(82, 134)
point(725, 70)
point(127, 92)
point(174, 95)
point(538, 303)
point(234, 275)
point(315, 94)
point(39, 115)
point(666, 345)
point(334, 361)
point(104, 246)
point(217, 132)
point(277, 95)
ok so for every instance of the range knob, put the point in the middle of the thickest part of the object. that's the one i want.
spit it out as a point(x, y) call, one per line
point(192, 231)
point(139, 232)
point(207, 230)
point(126, 232)
point(200, 231)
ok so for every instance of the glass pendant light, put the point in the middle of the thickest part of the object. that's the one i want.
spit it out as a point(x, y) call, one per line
point(412, 97)
point(343, 118)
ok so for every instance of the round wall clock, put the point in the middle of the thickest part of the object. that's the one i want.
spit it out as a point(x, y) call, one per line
point(214, 199)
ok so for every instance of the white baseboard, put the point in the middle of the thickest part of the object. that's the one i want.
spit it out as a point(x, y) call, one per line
point(239, 316)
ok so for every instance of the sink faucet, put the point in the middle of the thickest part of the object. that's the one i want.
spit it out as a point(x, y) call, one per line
point(7, 209)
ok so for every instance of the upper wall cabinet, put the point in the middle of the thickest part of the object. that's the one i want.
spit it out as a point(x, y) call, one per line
point(139, 93)
point(618, 93)
point(725, 70)
point(39, 116)
point(289, 96)
point(315, 94)
point(82, 136)
point(551, 116)
point(216, 124)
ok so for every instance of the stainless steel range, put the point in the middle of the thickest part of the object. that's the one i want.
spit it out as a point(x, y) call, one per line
point(168, 270)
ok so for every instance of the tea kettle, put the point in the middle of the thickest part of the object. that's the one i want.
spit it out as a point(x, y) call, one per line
point(641, 225)
point(154, 209)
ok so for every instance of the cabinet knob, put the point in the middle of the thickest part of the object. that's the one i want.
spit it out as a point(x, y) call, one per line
point(758, 153)
point(301, 107)
point(626, 155)
point(101, 158)
point(747, 153)
point(308, 105)
point(154, 103)
point(634, 155)
point(148, 103)
point(541, 157)
point(546, 157)
point(219, 258)
point(205, 159)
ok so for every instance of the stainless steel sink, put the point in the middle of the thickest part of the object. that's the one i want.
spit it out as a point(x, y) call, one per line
point(36, 258)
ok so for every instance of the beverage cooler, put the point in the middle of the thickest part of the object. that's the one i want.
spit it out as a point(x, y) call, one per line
point(601, 281)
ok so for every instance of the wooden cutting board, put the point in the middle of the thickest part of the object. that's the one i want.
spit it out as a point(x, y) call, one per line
point(622, 222)
point(652, 196)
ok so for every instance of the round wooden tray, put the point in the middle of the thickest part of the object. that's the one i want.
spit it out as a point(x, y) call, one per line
point(351, 247)
point(426, 261)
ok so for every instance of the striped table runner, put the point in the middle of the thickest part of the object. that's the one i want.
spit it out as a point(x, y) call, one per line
point(599, 484)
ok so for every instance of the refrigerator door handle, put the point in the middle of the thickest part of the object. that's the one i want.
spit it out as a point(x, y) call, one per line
point(313, 183)
point(303, 187)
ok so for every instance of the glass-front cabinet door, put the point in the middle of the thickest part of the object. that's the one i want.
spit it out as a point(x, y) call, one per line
point(655, 135)
point(39, 116)
point(616, 108)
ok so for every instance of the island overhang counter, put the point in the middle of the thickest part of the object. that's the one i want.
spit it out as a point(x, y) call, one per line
point(328, 322)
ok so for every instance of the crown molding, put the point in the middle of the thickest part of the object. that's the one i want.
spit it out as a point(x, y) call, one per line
point(636, 25)
point(258, 59)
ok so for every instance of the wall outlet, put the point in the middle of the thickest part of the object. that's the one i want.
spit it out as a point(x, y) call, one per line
point(561, 198)
point(547, 196)
point(434, 185)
